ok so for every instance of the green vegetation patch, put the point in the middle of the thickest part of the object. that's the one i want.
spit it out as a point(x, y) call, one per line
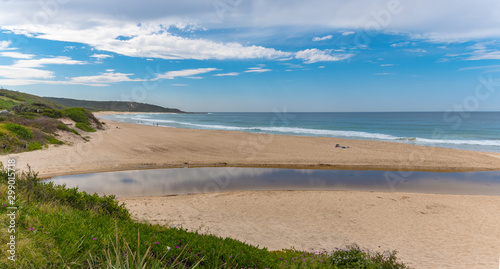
point(84, 127)
point(34, 146)
point(19, 130)
point(77, 114)
point(52, 140)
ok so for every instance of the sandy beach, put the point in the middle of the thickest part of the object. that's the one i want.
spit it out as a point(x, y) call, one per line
point(124, 146)
point(428, 230)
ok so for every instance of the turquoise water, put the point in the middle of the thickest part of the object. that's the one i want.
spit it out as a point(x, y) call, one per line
point(470, 131)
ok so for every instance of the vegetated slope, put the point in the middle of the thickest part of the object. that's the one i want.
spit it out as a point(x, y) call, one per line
point(29, 122)
point(120, 106)
point(9, 99)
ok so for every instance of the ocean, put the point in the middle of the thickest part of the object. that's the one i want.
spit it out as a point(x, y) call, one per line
point(478, 131)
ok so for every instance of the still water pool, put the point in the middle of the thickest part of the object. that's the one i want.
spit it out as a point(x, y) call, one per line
point(179, 181)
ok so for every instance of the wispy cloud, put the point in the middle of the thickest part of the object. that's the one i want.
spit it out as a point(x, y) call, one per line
point(186, 73)
point(416, 51)
point(400, 44)
point(479, 67)
point(48, 61)
point(348, 32)
point(384, 65)
point(100, 57)
point(4, 45)
point(310, 56)
point(15, 72)
point(258, 69)
point(180, 85)
point(103, 79)
point(227, 74)
point(316, 38)
point(16, 55)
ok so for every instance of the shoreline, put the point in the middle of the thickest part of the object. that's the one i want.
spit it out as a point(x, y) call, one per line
point(129, 146)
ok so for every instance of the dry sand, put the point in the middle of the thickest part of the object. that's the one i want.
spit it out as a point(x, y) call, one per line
point(124, 146)
point(428, 230)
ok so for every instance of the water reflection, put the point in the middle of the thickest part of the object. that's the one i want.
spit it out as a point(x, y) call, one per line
point(180, 181)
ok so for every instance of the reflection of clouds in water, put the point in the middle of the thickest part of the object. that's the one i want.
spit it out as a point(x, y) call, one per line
point(210, 179)
point(161, 181)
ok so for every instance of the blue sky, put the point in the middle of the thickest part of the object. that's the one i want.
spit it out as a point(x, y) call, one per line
point(242, 55)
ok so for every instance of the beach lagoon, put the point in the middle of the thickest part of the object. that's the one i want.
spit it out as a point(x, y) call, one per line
point(181, 181)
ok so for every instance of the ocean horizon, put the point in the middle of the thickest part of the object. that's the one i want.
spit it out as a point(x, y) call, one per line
point(479, 131)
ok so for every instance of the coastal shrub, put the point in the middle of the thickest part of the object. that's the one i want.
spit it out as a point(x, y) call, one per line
point(84, 127)
point(10, 143)
point(52, 140)
point(75, 132)
point(77, 114)
point(34, 146)
point(19, 130)
point(53, 113)
point(45, 124)
point(62, 126)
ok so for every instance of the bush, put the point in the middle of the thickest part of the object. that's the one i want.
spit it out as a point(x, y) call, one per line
point(34, 146)
point(77, 114)
point(62, 126)
point(52, 140)
point(74, 131)
point(53, 113)
point(84, 127)
point(19, 130)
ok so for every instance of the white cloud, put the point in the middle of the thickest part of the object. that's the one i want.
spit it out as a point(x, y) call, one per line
point(185, 73)
point(15, 72)
point(310, 56)
point(4, 44)
point(479, 67)
point(16, 55)
point(322, 38)
point(348, 33)
point(418, 51)
point(384, 65)
point(322, 66)
point(103, 79)
point(100, 57)
point(258, 69)
point(47, 61)
point(483, 51)
point(400, 44)
point(227, 74)
point(26, 71)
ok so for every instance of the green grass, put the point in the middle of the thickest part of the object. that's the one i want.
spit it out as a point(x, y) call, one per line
point(19, 130)
point(59, 227)
point(77, 114)
point(84, 127)
point(54, 141)
point(34, 146)
point(7, 103)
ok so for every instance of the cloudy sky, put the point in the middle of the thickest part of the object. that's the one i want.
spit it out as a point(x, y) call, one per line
point(256, 55)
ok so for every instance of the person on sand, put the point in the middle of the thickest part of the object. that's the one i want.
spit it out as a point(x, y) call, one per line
point(339, 146)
